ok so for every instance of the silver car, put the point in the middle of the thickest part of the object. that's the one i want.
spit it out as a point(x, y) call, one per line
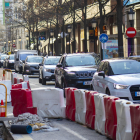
point(46, 69)
point(118, 77)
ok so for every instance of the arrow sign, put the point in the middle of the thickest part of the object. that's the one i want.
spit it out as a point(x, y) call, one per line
point(131, 32)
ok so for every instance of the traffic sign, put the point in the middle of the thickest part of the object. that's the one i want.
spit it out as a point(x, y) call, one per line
point(14, 45)
point(131, 32)
point(103, 38)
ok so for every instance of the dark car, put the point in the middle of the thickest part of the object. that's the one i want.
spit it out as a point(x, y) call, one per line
point(2, 58)
point(9, 62)
point(76, 70)
point(31, 65)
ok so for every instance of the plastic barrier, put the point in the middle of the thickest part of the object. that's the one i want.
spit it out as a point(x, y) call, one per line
point(8, 85)
point(13, 75)
point(80, 102)
point(22, 101)
point(1, 73)
point(25, 78)
point(124, 131)
point(90, 108)
point(15, 80)
point(49, 102)
point(135, 121)
point(70, 103)
point(111, 116)
point(100, 112)
point(24, 85)
point(19, 80)
point(6, 74)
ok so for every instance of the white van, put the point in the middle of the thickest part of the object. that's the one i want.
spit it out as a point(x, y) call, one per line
point(20, 56)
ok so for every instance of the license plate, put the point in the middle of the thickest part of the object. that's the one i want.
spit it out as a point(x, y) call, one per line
point(137, 94)
point(87, 83)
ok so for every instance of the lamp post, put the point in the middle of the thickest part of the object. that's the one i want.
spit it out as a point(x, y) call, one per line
point(20, 41)
point(9, 45)
point(131, 15)
point(94, 24)
point(69, 31)
point(27, 38)
point(52, 34)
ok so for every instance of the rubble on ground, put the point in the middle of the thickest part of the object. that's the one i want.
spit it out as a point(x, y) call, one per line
point(36, 122)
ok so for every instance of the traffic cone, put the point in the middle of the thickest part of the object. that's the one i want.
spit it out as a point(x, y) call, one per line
point(2, 113)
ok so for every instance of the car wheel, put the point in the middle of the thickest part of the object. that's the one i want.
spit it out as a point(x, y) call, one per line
point(16, 71)
point(91, 87)
point(107, 92)
point(40, 80)
point(43, 80)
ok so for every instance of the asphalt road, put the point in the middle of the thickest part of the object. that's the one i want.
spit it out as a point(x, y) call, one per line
point(68, 130)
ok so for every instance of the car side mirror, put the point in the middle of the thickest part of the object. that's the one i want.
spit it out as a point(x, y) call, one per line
point(40, 64)
point(17, 59)
point(59, 65)
point(101, 74)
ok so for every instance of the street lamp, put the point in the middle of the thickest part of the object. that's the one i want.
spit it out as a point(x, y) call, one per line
point(69, 31)
point(27, 38)
point(94, 24)
point(52, 34)
point(20, 41)
point(131, 15)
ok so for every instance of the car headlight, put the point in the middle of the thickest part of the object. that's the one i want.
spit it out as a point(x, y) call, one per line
point(70, 74)
point(47, 70)
point(119, 86)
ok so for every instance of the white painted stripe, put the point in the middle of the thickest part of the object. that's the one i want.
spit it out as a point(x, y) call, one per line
point(74, 133)
point(25, 137)
point(10, 114)
point(130, 32)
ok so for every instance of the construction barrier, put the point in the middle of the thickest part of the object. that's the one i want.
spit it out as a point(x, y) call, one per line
point(19, 80)
point(24, 85)
point(49, 102)
point(15, 80)
point(8, 85)
point(100, 112)
point(1, 73)
point(70, 103)
point(135, 121)
point(25, 78)
point(111, 116)
point(6, 74)
point(124, 131)
point(13, 75)
point(80, 105)
point(22, 101)
point(90, 108)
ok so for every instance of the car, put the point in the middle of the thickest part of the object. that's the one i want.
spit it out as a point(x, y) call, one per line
point(2, 59)
point(9, 61)
point(76, 70)
point(118, 77)
point(46, 69)
point(31, 65)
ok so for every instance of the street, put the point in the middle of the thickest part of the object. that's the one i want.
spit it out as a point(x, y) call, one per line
point(68, 130)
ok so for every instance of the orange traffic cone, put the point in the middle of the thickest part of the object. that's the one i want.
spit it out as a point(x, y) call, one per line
point(2, 113)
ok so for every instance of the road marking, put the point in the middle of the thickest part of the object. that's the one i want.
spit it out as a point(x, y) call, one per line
point(73, 133)
point(25, 137)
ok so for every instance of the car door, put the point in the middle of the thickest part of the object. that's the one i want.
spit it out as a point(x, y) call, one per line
point(96, 78)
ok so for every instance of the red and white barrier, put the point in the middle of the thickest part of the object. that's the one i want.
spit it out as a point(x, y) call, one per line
point(19, 80)
point(25, 78)
point(135, 121)
point(22, 101)
point(70, 103)
point(13, 75)
point(49, 102)
point(7, 83)
point(80, 102)
point(111, 116)
point(100, 112)
point(23, 85)
point(90, 108)
point(124, 131)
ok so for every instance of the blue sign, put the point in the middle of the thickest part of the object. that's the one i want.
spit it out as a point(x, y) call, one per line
point(42, 38)
point(103, 38)
point(126, 2)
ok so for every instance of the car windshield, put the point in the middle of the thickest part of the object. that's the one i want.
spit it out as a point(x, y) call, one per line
point(51, 61)
point(11, 57)
point(125, 67)
point(36, 59)
point(81, 60)
point(3, 57)
point(24, 55)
